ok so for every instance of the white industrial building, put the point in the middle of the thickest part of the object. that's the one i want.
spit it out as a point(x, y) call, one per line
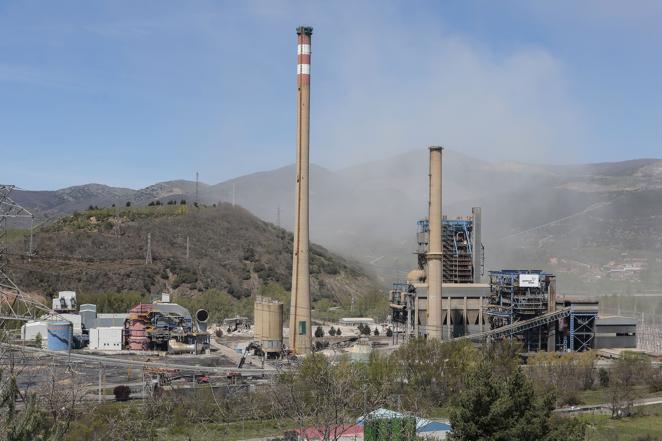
point(30, 330)
point(106, 339)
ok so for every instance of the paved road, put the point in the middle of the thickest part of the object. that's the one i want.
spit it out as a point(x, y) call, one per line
point(606, 407)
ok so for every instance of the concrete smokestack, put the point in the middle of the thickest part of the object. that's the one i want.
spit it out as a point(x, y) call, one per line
point(300, 320)
point(435, 248)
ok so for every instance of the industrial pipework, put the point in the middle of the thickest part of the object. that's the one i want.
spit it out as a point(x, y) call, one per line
point(435, 248)
point(300, 315)
point(201, 317)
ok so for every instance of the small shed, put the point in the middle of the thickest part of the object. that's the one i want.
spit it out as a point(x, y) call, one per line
point(106, 339)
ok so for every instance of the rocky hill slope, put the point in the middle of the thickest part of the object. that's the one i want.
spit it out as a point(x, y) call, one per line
point(230, 250)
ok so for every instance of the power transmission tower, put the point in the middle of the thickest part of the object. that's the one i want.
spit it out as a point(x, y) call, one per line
point(148, 254)
point(13, 304)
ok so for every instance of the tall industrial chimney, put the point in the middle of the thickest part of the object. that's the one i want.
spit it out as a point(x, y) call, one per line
point(300, 320)
point(435, 248)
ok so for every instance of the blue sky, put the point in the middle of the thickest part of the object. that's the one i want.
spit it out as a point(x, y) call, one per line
point(130, 93)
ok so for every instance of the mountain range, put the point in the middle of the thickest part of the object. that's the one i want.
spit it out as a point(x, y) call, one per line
point(581, 221)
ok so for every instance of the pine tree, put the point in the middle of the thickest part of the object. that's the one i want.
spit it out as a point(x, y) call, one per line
point(492, 408)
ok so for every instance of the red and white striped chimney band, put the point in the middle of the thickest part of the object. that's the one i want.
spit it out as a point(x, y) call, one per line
point(303, 59)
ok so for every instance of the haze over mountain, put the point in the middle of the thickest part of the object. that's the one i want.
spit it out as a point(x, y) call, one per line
point(573, 219)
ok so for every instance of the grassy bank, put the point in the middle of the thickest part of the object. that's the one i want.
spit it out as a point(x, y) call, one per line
point(647, 420)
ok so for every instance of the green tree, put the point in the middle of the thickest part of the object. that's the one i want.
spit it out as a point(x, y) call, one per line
point(490, 409)
point(332, 331)
point(319, 332)
point(376, 332)
point(364, 329)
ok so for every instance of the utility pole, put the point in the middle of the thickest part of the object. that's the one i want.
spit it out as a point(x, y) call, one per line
point(196, 187)
point(278, 216)
point(148, 254)
point(188, 254)
point(234, 195)
point(116, 227)
point(100, 375)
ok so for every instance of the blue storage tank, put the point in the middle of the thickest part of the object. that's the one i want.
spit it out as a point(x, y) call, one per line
point(60, 335)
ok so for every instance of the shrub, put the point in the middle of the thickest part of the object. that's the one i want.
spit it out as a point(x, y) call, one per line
point(389, 332)
point(122, 393)
point(332, 331)
point(319, 345)
point(376, 332)
point(319, 332)
point(603, 377)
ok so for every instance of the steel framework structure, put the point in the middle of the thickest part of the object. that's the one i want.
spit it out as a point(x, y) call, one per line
point(510, 302)
point(582, 331)
point(458, 246)
point(520, 326)
point(14, 305)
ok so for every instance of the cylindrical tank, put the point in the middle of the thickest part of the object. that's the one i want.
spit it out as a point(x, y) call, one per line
point(137, 335)
point(176, 347)
point(60, 335)
point(136, 326)
point(269, 324)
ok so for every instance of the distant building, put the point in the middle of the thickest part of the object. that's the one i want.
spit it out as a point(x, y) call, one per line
point(355, 321)
point(615, 332)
